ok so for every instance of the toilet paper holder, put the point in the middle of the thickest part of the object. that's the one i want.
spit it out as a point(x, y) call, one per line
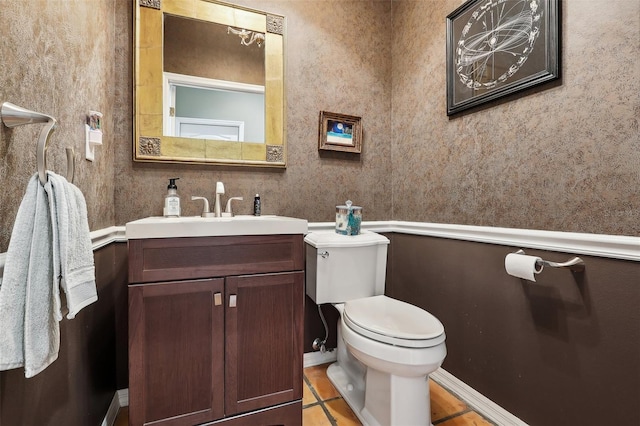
point(575, 263)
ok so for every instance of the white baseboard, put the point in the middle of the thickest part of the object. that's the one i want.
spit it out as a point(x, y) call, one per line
point(317, 358)
point(120, 399)
point(475, 399)
point(123, 397)
point(112, 412)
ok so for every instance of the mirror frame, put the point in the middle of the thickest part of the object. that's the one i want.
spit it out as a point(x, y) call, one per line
point(150, 145)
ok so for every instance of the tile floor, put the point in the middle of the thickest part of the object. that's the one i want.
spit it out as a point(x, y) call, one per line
point(323, 405)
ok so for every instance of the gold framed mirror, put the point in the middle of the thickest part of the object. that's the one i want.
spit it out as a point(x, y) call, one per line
point(170, 121)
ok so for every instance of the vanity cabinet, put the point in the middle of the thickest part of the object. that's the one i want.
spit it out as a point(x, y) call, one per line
point(215, 330)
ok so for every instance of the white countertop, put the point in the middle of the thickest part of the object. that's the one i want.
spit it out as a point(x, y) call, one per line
point(196, 226)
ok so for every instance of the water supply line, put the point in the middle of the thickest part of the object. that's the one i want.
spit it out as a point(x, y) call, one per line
point(319, 344)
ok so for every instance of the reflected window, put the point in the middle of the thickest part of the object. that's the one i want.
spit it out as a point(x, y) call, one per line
point(211, 77)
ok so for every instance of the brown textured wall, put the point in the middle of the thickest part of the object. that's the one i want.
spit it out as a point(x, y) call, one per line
point(564, 159)
point(562, 351)
point(63, 58)
point(337, 55)
point(77, 388)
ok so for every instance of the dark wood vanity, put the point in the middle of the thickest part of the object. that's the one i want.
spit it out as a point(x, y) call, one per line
point(216, 330)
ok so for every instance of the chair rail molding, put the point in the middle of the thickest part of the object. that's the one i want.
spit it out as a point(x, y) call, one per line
point(600, 245)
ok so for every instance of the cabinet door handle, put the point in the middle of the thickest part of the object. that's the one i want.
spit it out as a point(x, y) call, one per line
point(217, 299)
point(232, 301)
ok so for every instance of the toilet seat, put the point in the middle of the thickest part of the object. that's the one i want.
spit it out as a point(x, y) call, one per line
point(393, 322)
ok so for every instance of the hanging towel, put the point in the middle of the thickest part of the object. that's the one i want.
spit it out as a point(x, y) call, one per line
point(29, 330)
point(50, 248)
point(72, 249)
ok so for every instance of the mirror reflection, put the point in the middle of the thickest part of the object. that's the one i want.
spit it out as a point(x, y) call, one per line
point(213, 81)
point(209, 84)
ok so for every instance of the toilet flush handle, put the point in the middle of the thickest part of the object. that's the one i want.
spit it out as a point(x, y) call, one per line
point(324, 254)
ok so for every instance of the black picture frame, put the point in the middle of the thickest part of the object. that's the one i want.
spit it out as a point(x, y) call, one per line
point(499, 47)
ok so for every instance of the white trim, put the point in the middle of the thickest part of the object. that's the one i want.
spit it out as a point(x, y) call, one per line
point(600, 245)
point(105, 236)
point(317, 358)
point(196, 82)
point(614, 246)
point(100, 238)
point(120, 399)
point(123, 397)
point(475, 399)
point(112, 412)
point(472, 397)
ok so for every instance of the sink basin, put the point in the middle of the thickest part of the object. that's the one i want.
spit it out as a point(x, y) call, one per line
point(196, 226)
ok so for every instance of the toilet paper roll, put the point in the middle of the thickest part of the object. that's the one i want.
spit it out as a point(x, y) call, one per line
point(523, 266)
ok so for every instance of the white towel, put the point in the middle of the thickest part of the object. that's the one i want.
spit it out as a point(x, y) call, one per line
point(50, 248)
point(29, 331)
point(72, 252)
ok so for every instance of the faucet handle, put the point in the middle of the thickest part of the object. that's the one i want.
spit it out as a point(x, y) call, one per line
point(227, 210)
point(205, 210)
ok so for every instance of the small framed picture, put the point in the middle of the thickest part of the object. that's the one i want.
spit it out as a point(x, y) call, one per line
point(340, 132)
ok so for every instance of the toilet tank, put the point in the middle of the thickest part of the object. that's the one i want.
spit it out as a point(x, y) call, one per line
point(345, 267)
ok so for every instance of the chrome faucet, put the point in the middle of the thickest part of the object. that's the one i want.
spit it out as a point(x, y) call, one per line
point(217, 207)
point(217, 210)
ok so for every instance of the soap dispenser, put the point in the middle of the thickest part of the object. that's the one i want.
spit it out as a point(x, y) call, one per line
point(172, 200)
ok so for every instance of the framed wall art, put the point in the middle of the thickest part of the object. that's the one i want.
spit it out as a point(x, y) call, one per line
point(340, 132)
point(498, 47)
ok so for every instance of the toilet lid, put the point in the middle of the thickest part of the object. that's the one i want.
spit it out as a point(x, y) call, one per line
point(392, 321)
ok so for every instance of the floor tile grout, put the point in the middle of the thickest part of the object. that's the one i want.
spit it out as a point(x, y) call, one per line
point(459, 398)
point(452, 416)
point(320, 402)
point(462, 413)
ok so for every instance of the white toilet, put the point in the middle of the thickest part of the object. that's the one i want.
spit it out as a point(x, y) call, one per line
point(386, 348)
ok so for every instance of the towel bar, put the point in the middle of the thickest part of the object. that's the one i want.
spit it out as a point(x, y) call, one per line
point(13, 115)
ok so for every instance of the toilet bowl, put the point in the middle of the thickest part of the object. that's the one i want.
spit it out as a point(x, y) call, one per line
point(397, 345)
point(386, 348)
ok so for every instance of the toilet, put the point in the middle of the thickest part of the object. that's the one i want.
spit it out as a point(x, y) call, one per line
point(386, 348)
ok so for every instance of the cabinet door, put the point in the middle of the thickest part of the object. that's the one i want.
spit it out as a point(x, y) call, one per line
point(264, 332)
point(176, 352)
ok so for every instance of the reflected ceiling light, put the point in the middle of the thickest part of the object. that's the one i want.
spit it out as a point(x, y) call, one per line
point(247, 38)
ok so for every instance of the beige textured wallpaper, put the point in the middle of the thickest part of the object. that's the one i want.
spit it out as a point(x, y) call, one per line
point(566, 158)
point(63, 58)
point(563, 158)
point(337, 55)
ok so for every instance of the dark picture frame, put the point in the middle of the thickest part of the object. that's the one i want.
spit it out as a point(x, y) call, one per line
point(499, 47)
point(340, 132)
